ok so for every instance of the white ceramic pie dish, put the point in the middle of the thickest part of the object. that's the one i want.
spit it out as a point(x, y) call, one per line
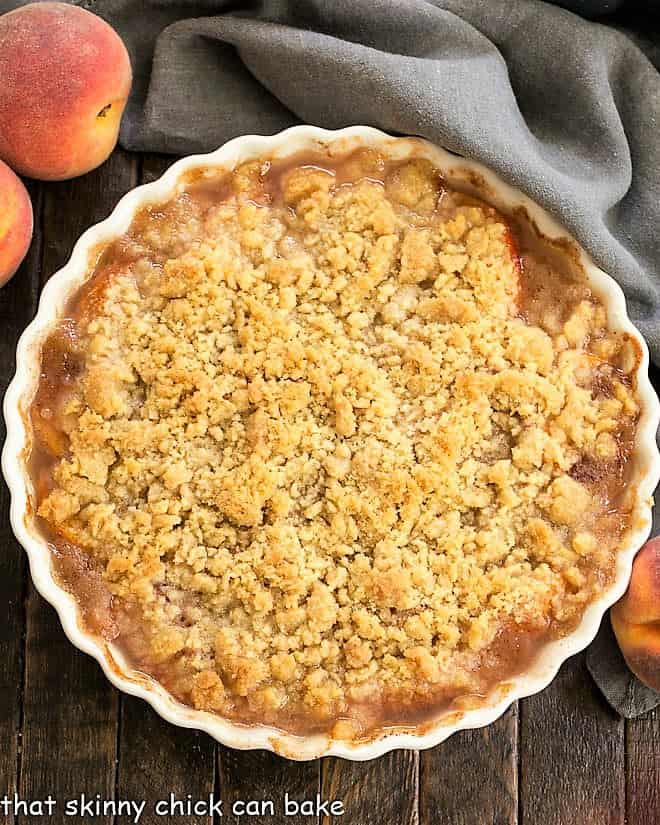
point(646, 460)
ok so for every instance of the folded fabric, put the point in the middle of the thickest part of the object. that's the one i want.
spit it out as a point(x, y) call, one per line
point(563, 108)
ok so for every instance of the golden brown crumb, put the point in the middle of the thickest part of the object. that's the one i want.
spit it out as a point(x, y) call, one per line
point(318, 448)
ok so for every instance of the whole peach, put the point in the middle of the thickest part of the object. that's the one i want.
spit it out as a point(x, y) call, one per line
point(15, 223)
point(636, 617)
point(66, 76)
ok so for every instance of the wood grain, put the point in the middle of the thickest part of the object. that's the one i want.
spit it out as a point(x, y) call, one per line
point(472, 778)
point(70, 709)
point(69, 717)
point(643, 769)
point(571, 754)
point(157, 759)
point(260, 775)
point(384, 790)
point(72, 206)
point(18, 303)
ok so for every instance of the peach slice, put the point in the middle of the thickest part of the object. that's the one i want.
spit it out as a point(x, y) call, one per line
point(15, 223)
point(636, 617)
point(66, 76)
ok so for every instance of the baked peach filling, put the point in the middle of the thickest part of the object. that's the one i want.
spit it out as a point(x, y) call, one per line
point(331, 445)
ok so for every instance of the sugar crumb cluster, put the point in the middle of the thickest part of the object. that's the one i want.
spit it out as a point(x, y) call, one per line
point(321, 449)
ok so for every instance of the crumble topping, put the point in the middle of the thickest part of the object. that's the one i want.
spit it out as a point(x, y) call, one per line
point(330, 454)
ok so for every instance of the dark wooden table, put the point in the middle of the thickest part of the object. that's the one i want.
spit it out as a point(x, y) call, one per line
point(559, 758)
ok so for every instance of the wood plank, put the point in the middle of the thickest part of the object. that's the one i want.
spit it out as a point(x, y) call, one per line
point(260, 775)
point(72, 206)
point(384, 790)
point(643, 769)
point(70, 710)
point(472, 777)
point(69, 718)
point(156, 758)
point(18, 303)
point(571, 754)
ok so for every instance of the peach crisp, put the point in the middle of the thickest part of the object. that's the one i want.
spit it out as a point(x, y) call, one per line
point(328, 444)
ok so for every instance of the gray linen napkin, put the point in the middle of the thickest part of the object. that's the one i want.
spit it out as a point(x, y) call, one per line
point(565, 109)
